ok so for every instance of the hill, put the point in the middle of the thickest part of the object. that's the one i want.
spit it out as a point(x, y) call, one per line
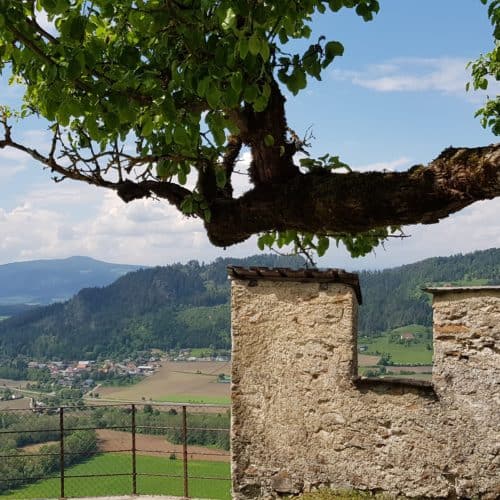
point(182, 306)
point(175, 306)
point(53, 280)
point(394, 297)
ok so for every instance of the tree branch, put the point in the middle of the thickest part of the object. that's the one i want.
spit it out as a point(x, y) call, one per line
point(356, 202)
point(127, 189)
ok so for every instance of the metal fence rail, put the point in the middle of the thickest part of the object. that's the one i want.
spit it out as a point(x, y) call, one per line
point(47, 443)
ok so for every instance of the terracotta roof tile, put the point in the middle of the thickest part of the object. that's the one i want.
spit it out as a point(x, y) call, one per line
point(301, 275)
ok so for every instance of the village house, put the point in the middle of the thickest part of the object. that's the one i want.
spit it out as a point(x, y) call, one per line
point(407, 336)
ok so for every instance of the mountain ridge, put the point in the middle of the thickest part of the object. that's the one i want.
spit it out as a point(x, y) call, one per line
point(187, 305)
point(44, 281)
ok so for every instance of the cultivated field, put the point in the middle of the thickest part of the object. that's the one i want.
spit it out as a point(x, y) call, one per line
point(13, 384)
point(113, 441)
point(177, 382)
point(15, 404)
point(367, 360)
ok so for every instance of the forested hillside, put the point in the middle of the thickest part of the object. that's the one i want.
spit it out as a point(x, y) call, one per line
point(187, 305)
point(167, 307)
point(394, 297)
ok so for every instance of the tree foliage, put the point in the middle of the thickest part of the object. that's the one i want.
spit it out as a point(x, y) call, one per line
point(487, 67)
point(139, 94)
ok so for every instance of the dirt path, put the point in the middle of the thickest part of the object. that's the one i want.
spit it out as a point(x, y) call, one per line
point(111, 440)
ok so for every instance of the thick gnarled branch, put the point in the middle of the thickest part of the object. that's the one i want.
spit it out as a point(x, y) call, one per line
point(356, 202)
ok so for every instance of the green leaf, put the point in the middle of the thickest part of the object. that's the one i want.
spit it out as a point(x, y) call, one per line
point(187, 205)
point(322, 246)
point(182, 177)
point(77, 28)
point(220, 177)
point(260, 104)
point(264, 50)
point(332, 49)
point(147, 126)
point(181, 137)
point(219, 135)
point(269, 140)
point(203, 86)
point(230, 20)
point(75, 68)
point(213, 96)
point(260, 243)
point(335, 5)
point(162, 169)
point(237, 81)
point(254, 44)
point(243, 47)
point(251, 93)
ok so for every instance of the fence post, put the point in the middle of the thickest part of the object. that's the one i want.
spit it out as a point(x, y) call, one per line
point(61, 449)
point(185, 451)
point(134, 465)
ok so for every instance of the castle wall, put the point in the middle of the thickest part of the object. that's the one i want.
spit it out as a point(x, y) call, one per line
point(302, 418)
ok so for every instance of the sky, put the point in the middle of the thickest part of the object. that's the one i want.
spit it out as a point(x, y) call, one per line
point(396, 98)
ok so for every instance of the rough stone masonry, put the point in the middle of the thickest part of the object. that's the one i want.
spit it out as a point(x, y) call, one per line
point(302, 418)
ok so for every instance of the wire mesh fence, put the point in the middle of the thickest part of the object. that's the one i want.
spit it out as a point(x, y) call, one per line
point(168, 449)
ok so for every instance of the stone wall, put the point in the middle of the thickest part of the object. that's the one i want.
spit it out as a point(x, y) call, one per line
point(302, 418)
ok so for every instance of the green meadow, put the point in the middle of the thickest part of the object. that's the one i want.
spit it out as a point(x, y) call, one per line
point(122, 485)
point(418, 351)
point(185, 398)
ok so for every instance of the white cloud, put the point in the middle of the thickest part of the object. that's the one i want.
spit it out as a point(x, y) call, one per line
point(72, 219)
point(12, 162)
point(446, 75)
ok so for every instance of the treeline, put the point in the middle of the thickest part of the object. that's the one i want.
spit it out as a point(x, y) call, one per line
point(16, 368)
point(186, 306)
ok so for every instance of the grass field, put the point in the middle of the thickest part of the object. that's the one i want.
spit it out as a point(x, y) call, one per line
point(402, 354)
point(121, 485)
point(179, 382)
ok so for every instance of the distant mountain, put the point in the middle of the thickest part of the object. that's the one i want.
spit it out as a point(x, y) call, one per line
point(48, 281)
point(187, 305)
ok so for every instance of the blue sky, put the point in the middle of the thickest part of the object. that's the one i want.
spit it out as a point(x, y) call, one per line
point(395, 99)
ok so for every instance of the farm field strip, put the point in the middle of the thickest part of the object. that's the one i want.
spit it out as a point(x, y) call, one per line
point(174, 380)
point(147, 444)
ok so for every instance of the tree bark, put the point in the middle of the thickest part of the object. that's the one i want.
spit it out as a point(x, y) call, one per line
point(356, 202)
